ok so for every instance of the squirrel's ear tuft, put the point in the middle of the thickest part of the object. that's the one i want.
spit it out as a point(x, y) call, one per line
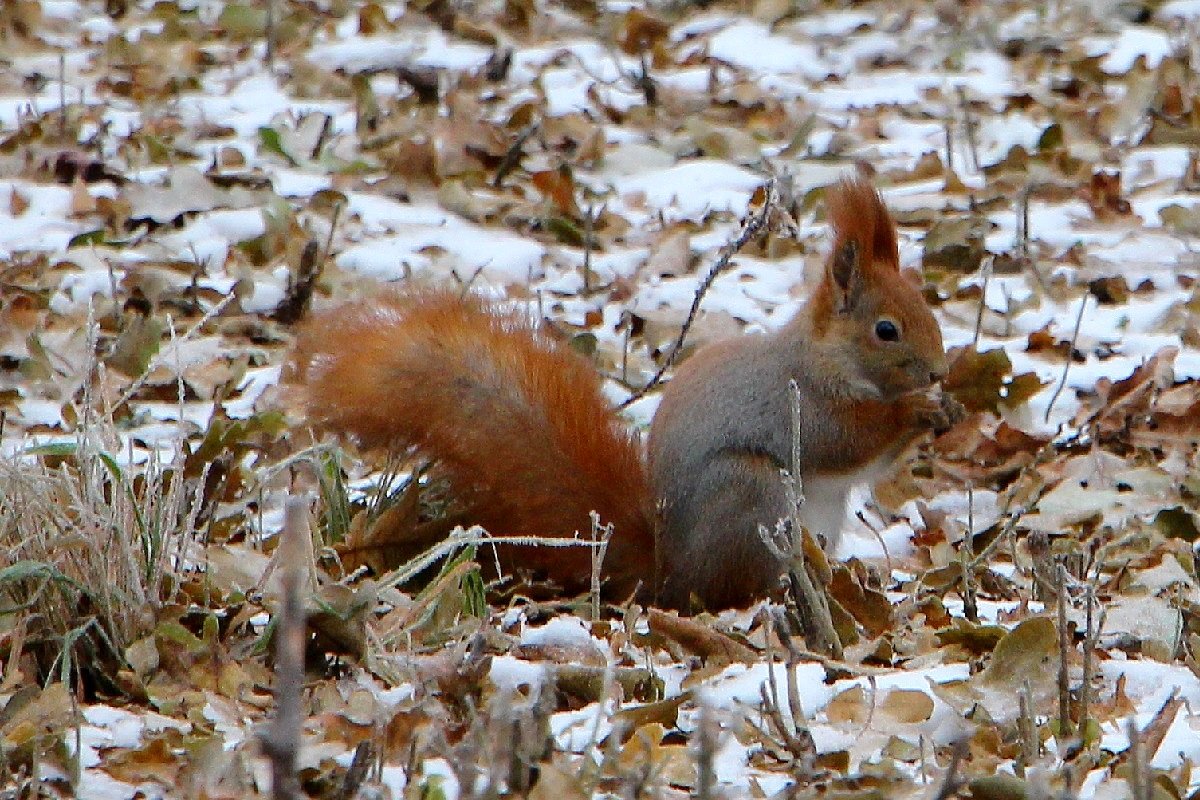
point(845, 276)
point(844, 264)
point(857, 214)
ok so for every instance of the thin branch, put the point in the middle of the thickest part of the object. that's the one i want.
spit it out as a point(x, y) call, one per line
point(706, 755)
point(1067, 366)
point(966, 558)
point(512, 157)
point(752, 226)
point(1138, 787)
point(281, 741)
point(1089, 645)
point(987, 277)
point(951, 783)
point(474, 535)
point(969, 126)
point(156, 362)
point(1064, 649)
point(601, 535)
point(819, 630)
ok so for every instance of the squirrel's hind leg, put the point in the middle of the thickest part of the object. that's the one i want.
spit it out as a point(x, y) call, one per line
point(712, 551)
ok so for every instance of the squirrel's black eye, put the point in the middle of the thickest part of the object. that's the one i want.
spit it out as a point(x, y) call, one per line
point(887, 331)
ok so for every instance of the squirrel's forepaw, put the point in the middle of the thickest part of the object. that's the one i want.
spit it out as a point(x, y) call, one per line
point(937, 412)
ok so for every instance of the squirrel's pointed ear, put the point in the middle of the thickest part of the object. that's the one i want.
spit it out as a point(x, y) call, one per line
point(845, 274)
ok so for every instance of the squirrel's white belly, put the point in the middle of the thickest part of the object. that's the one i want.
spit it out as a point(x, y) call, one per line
point(824, 509)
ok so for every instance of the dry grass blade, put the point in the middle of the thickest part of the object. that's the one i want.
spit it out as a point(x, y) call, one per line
point(89, 552)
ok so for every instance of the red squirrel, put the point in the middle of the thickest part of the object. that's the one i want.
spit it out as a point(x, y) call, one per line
point(517, 423)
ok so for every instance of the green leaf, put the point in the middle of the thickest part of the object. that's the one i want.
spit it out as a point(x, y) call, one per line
point(272, 142)
point(565, 230)
point(1051, 138)
point(243, 21)
point(335, 517)
point(1176, 523)
point(87, 238)
point(176, 634)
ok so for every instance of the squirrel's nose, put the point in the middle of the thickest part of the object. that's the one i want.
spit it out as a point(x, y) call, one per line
point(936, 374)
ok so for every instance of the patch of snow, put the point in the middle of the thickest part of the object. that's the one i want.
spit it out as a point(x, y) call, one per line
point(834, 23)
point(413, 47)
point(1132, 42)
point(508, 673)
point(1179, 9)
point(751, 45)
point(559, 631)
point(499, 255)
point(250, 389)
point(692, 189)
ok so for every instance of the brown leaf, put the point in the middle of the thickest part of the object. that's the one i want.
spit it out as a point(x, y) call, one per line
point(663, 712)
point(559, 187)
point(699, 638)
point(907, 705)
point(869, 607)
point(1025, 651)
point(640, 31)
point(558, 783)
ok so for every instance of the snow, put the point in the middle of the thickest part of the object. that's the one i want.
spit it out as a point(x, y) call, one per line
point(470, 248)
point(509, 673)
point(560, 631)
point(413, 48)
point(1133, 42)
point(691, 190)
point(1182, 9)
point(43, 225)
point(751, 45)
point(819, 60)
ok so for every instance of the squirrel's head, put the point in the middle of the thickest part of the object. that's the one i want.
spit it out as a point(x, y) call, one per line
point(868, 314)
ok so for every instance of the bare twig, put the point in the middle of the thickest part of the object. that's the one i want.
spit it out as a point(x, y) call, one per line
point(819, 631)
point(987, 277)
point(969, 126)
point(300, 286)
point(270, 34)
point(157, 360)
point(601, 535)
point(1062, 382)
point(752, 226)
point(62, 92)
point(281, 741)
point(475, 535)
point(1064, 651)
point(950, 781)
point(589, 245)
point(322, 137)
point(1089, 645)
point(1022, 232)
point(967, 558)
point(947, 128)
point(364, 754)
point(512, 156)
point(1138, 783)
point(795, 739)
point(706, 755)
point(1027, 729)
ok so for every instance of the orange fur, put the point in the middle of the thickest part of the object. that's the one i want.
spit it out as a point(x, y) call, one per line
point(514, 420)
point(857, 214)
point(517, 423)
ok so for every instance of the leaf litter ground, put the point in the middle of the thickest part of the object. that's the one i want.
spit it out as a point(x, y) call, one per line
point(169, 183)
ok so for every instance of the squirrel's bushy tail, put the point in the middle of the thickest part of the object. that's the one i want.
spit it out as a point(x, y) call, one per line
point(514, 420)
